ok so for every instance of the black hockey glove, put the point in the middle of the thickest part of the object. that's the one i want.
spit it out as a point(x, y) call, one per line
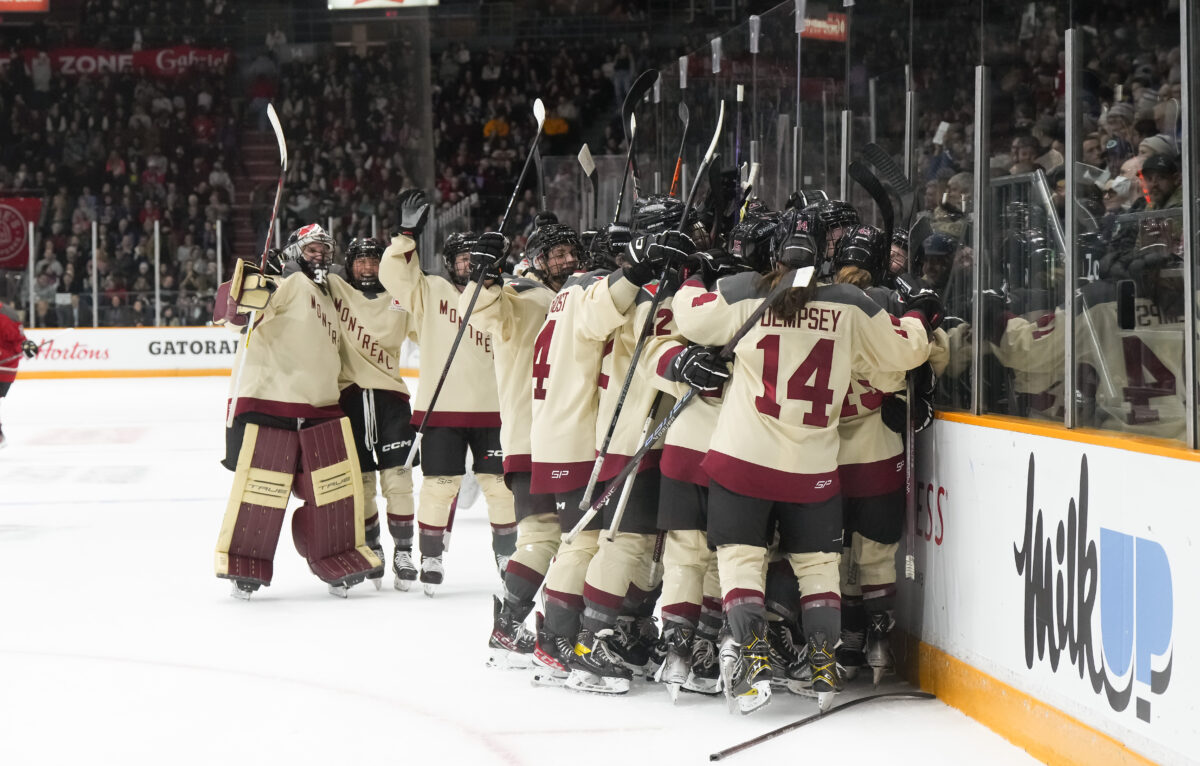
point(669, 247)
point(487, 255)
point(414, 209)
point(29, 349)
point(894, 412)
point(916, 297)
point(274, 263)
point(543, 218)
point(995, 315)
point(701, 367)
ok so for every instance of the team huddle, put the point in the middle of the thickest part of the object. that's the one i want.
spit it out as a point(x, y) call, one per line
point(661, 418)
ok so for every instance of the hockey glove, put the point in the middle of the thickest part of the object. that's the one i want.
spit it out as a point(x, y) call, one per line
point(916, 298)
point(487, 255)
point(995, 315)
point(701, 367)
point(274, 263)
point(669, 247)
point(894, 412)
point(250, 289)
point(619, 237)
point(29, 349)
point(414, 210)
point(543, 218)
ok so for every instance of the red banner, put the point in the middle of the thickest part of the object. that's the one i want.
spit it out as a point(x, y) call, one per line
point(16, 213)
point(831, 28)
point(163, 62)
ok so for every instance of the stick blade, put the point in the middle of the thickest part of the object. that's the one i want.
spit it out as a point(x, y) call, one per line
point(539, 113)
point(273, 118)
point(641, 86)
point(586, 162)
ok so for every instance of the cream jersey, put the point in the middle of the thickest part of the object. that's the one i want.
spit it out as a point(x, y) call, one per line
point(373, 328)
point(618, 352)
point(688, 438)
point(566, 370)
point(1031, 347)
point(291, 363)
point(513, 315)
point(468, 398)
point(777, 435)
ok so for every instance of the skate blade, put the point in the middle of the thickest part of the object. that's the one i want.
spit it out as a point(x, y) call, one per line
point(825, 701)
point(801, 688)
point(430, 588)
point(547, 677)
point(849, 673)
point(755, 699)
point(877, 674)
point(673, 691)
point(593, 684)
point(341, 591)
point(503, 659)
point(239, 594)
point(402, 585)
point(709, 687)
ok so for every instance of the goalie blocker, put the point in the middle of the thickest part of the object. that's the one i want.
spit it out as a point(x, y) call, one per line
point(318, 463)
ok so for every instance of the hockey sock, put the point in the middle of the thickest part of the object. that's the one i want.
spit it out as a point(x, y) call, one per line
point(783, 591)
point(397, 486)
point(437, 492)
point(820, 597)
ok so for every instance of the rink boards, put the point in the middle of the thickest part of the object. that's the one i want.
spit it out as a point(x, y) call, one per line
point(1052, 598)
point(116, 352)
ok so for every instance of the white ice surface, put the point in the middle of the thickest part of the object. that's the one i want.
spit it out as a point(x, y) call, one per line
point(118, 645)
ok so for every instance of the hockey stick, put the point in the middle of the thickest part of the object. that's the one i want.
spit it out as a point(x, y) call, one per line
point(796, 278)
point(539, 114)
point(541, 180)
point(894, 179)
point(867, 180)
point(721, 754)
point(910, 486)
point(637, 92)
point(628, 488)
point(737, 131)
point(253, 319)
point(589, 170)
point(648, 325)
point(683, 117)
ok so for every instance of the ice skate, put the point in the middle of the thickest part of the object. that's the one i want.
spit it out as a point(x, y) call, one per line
point(705, 675)
point(673, 672)
point(879, 646)
point(635, 641)
point(788, 661)
point(242, 589)
point(849, 653)
point(431, 574)
point(747, 675)
point(551, 654)
point(376, 576)
point(341, 588)
point(511, 644)
point(404, 569)
point(826, 681)
point(596, 667)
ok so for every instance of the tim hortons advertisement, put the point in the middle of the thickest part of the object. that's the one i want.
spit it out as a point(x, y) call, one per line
point(1060, 568)
point(130, 351)
point(163, 62)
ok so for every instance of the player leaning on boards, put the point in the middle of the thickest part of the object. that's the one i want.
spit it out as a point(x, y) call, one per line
point(13, 345)
point(288, 433)
point(512, 310)
point(375, 398)
point(468, 413)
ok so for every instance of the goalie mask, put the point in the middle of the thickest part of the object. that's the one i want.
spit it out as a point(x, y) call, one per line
point(865, 247)
point(455, 245)
point(311, 248)
point(554, 252)
point(362, 264)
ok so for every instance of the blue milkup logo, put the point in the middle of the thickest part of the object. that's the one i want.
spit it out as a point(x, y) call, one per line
point(1065, 573)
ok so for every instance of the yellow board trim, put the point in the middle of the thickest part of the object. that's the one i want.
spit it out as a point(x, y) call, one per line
point(197, 373)
point(1128, 442)
point(1045, 732)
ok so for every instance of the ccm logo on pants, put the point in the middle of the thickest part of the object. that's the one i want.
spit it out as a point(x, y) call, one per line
point(396, 445)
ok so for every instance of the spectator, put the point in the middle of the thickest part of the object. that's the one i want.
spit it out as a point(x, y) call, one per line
point(1163, 182)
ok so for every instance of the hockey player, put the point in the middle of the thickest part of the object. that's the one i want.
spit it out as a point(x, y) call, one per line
point(468, 413)
point(288, 432)
point(512, 312)
point(13, 345)
point(691, 608)
point(376, 399)
point(773, 459)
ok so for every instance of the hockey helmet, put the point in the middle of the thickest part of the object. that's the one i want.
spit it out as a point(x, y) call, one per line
point(656, 213)
point(545, 239)
point(313, 261)
point(455, 244)
point(367, 249)
point(793, 245)
point(863, 246)
point(750, 242)
point(836, 215)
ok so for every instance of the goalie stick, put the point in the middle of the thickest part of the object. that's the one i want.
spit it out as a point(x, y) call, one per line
point(790, 280)
point(648, 325)
point(539, 114)
point(722, 754)
point(273, 118)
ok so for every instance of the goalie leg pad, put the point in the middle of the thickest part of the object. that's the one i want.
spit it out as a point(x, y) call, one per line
point(262, 482)
point(330, 529)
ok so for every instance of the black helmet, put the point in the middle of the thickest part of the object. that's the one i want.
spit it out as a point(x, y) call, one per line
point(545, 239)
point(364, 247)
point(866, 247)
point(459, 242)
point(750, 242)
point(836, 214)
point(657, 213)
point(606, 247)
point(793, 244)
point(315, 268)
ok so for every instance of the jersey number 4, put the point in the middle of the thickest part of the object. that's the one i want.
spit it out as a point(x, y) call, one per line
point(809, 383)
point(541, 360)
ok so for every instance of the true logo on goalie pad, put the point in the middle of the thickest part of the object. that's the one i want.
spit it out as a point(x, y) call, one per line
point(269, 488)
point(332, 483)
